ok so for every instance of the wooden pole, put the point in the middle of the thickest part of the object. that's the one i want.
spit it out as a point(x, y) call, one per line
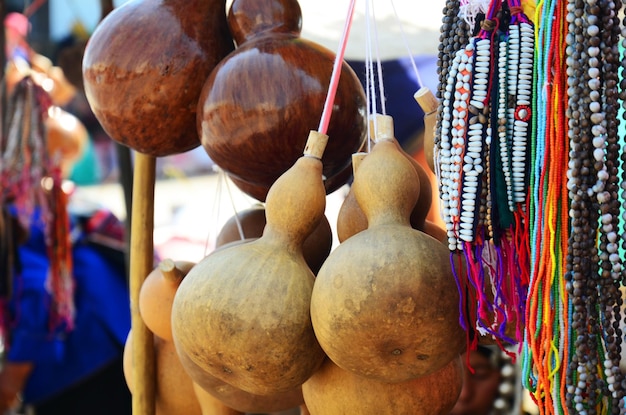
point(141, 264)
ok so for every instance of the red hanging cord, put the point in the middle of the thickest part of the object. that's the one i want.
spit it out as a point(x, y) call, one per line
point(334, 80)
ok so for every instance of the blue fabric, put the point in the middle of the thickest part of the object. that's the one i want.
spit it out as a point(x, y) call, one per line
point(101, 325)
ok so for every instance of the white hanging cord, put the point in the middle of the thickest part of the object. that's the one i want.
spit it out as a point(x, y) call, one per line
point(237, 218)
point(469, 9)
point(368, 81)
point(215, 209)
point(379, 67)
point(406, 44)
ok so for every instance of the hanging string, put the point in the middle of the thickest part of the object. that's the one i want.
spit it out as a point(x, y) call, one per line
point(470, 9)
point(406, 45)
point(379, 67)
point(546, 344)
point(334, 80)
point(369, 75)
point(368, 93)
point(236, 212)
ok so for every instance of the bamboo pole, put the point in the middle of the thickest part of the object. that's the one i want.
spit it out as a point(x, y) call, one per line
point(141, 264)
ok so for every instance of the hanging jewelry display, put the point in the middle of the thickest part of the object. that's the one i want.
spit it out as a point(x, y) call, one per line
point(30, 173)
point(547, 325)
point(572, 345)
point(481, 163)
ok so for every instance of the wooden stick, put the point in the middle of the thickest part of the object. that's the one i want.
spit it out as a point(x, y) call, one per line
point(141, 264)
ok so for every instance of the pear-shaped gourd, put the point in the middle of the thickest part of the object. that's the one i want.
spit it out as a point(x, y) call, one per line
point(352, 220)
point(333, 390)
point(144, 67)
point(249, 223)
point(157, 295)
point(236, 398)
point(66, 136)
point(260, 102)
point(174, 390)
point(242, 313)
point(385, 302)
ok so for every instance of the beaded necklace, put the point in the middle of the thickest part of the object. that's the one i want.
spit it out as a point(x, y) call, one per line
point(481, 154)
point(546, 341)
point(605, 130)
point(506, 195)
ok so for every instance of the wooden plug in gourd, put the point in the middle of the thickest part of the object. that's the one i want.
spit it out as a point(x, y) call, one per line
point(429, 104)
point(242, 314)
point(385, 302)
point(333, 390)
point(352, 220)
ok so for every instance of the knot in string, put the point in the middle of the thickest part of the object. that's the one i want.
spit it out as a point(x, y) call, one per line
point(488, 25)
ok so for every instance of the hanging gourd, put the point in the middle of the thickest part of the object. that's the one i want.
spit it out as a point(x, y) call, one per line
point(333, 390)
point(174, 390)
point(260, 102)
point(157, 294)
point(242, 313)
point(249, 224)
point(144, 67)
point(385, 302)
point(351, 218)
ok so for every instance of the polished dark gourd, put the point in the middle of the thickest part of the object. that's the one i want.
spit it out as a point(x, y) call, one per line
point(333, 390)
point(242, 313)
point(144, 67)
point(385, 302)
point(260, 102)
point(315, 248)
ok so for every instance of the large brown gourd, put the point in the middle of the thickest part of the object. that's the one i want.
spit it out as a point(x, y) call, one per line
point(385, 302)
point(144, 67)
point(242, 313)
point(260, 102)
point(335, 391)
